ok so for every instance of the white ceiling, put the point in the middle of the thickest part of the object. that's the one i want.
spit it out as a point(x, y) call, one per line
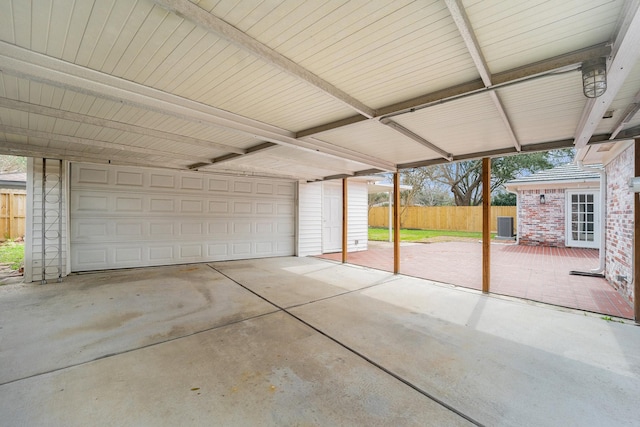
point(311, 89)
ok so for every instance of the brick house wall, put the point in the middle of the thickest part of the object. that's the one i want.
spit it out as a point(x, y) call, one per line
point(541, 224)
point(619, 223)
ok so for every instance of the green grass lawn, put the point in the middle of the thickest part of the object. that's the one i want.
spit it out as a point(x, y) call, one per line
point(12, 253)
point(407, 235)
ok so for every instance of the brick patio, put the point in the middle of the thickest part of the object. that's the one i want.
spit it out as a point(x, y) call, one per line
point(535, 273)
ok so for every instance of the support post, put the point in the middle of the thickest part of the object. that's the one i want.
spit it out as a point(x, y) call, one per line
point(60, 208)
point(44, 220)
point(486, 224)
point(345, 212)
point(396, 223)
point(636, 237)
point(390, 222)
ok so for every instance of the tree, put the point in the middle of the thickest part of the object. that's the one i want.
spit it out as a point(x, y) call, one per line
point(504, 199)
point(378, 199)
point(434, 194)
point(13, 164)
point(464, 178)
point(416, 179)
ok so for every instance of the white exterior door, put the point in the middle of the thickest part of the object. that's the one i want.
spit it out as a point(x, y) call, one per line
point(583, 219)
point(331, 218)
point(133, 217)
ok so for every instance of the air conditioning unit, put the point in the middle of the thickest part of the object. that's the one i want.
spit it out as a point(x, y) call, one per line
point(505, 227)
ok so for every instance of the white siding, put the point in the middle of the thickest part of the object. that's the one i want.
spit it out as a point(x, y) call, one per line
point(50, 227)
point(332, 217)
point(133, 217)
point(309, 219)
point(358, 220)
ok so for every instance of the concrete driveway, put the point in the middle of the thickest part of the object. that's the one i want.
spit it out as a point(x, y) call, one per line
point(303, 341)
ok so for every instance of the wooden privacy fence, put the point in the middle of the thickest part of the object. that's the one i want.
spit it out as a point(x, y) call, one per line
point(454, 218)
point(13, 208)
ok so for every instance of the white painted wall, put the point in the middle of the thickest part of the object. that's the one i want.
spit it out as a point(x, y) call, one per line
point(358, 216)
point(309, 218)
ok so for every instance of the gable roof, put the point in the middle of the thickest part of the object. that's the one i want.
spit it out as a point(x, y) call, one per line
point(563, 173)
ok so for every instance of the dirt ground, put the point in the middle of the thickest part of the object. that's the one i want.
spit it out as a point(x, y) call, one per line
point(9, 276)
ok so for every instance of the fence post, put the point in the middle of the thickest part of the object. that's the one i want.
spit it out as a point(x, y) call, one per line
point(11, 214)
point(4, 211)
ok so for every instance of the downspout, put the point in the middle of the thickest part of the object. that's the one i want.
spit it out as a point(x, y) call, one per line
point(517, 214)
point(603, 212)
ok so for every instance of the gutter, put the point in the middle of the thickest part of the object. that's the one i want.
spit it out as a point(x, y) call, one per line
point(603, 211)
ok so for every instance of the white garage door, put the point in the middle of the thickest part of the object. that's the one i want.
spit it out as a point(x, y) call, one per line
point(130, 217)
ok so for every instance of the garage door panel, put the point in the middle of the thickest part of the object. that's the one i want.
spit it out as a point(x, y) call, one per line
point(90, 257)
point(90, 203)
point(190, 206)
point(129, 178)
point(219, 228)
point(161, 205)
point(128, 256)
point(161, 181)
point(218, 207)
point(243, 187)
point(88, 229)
point(111, 230)
point(112, 202)
point(285, 246)
point(219, 185)
point(285, 228)
point(156, 180)
point(192, 183)
point(161, 254)
point(129, 229)
point(161, 229)
point(242, 207)
point(218, 251)
point(264, 247)
point(127, 217)
point(191, 252)
point(92, 176)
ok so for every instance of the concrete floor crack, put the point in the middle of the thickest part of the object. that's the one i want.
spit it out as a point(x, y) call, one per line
point(354, 351)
